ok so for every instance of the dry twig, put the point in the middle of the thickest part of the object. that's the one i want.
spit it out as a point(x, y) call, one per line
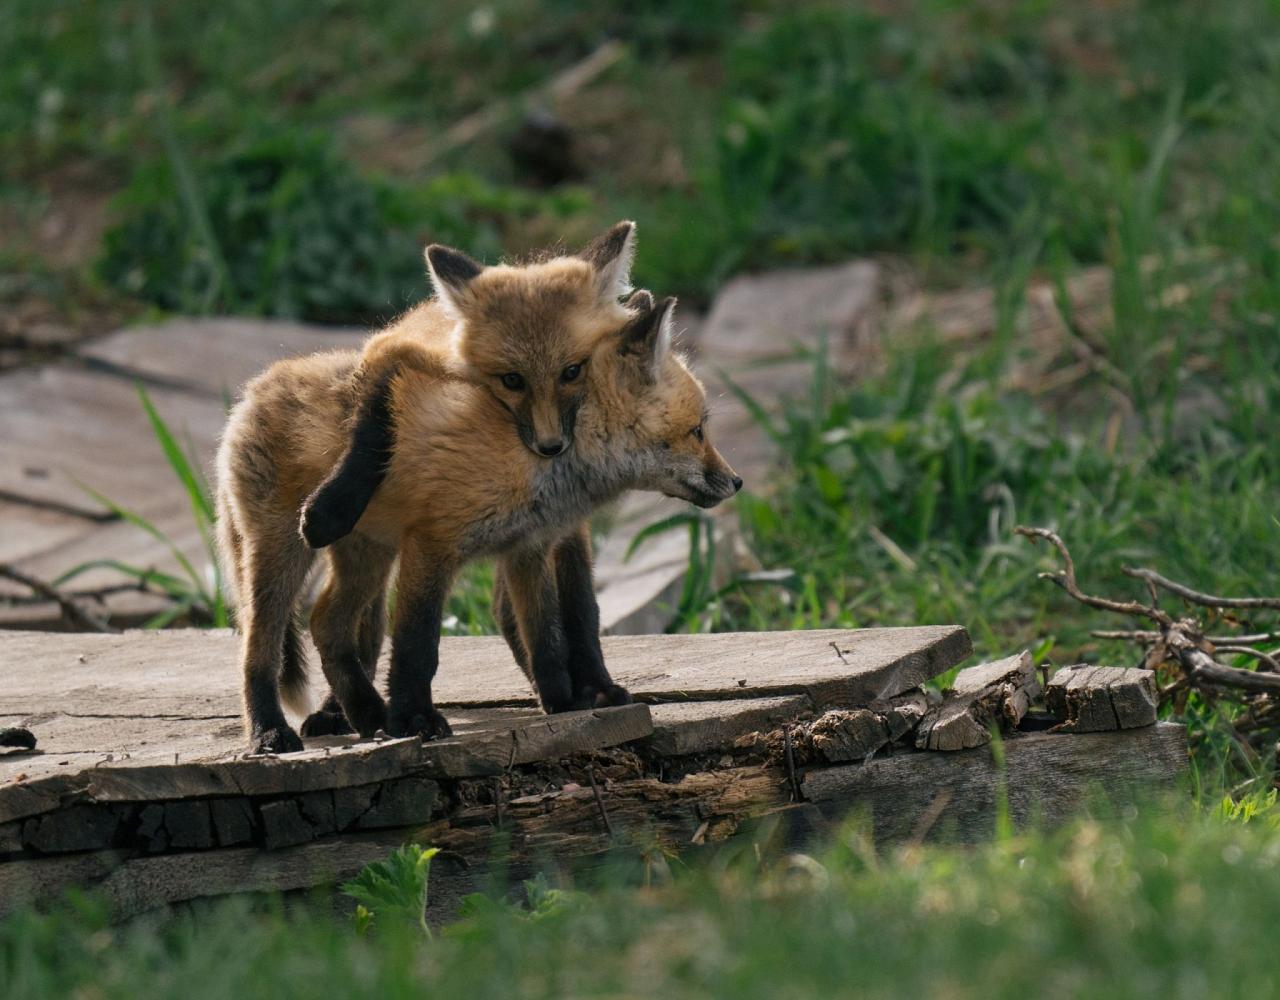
point(75, 615)
point(1181, 641)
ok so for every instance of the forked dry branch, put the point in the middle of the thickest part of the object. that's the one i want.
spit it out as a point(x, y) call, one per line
point(1182, 647)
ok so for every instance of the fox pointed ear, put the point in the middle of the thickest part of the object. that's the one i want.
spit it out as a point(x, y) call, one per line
point(647, 338)
point(610, 254)
point(452, 271)
point(640, 301)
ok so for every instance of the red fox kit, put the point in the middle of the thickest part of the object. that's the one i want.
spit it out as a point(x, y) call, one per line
point(504, 328)
point(458, 485)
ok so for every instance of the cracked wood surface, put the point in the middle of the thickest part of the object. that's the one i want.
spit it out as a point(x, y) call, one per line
point(156, 714)
point(193, 673)
point(1087, 699)
point(984, 697)
point(1047, 777)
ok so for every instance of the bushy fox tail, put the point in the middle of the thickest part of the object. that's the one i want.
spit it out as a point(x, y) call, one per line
point(295, 690)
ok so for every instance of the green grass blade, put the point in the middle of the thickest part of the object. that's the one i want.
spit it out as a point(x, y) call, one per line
point(197, 585)
point(192, 481)
point(657, 528)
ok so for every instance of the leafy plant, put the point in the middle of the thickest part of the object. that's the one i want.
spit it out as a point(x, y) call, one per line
point(292, 231)
point(395, 889)
point(192, 594)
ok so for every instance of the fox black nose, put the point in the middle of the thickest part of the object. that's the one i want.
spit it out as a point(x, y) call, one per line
point(550, 449)
point(737, 483)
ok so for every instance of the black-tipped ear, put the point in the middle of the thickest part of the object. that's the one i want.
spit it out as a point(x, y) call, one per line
point(648, 336)
point(611, 254)
point(640, 301)
point(451, 272)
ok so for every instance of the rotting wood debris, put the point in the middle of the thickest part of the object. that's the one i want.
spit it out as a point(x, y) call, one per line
point(653, 778)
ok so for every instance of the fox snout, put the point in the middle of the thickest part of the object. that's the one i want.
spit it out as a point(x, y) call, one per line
point(546, 427)
point(717, 482)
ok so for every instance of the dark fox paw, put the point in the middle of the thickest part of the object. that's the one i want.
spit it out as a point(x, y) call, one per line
point(324, 723)
point(606, 696)
point(278, 739)
point(18, 737)
point(429, 724)
point(325, 521)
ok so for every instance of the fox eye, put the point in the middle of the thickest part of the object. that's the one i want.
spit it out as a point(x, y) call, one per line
point(571, 373)
point(513, 381)
point(697, 433)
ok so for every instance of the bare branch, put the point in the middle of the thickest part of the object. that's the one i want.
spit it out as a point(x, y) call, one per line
point(1066, 579)
point(1257, 654)
point(1136, 635)
point(71, 611)
point(1154, 579)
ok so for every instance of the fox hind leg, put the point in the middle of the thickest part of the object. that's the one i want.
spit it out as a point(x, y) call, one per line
point(273, 572)
point(329, 719)
point(357, 578)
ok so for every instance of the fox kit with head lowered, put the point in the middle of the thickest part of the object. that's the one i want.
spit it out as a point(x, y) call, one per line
point(458, 484)
point(508, 329)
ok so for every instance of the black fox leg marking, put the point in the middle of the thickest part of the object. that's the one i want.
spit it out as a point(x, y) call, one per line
point(580, 613)
point(273, 576)
point(531, 586)
point(333, 509)
point(505, 615)
point(415, 643)
point(357, 573)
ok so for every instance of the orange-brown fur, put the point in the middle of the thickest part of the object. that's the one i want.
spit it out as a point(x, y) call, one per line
point(460, 484)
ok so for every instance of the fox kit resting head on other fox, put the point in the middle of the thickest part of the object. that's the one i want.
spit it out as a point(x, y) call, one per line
point(523, 333)
point(458, 485)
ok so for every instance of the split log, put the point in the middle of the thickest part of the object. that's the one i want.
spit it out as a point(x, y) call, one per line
point(1089, 699)
point(988, 696)
point(1047, 778)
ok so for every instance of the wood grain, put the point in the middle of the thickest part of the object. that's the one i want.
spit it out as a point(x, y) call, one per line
point(1049, 777)
point(192, 673)
point(985, 697)
point(1089, 699)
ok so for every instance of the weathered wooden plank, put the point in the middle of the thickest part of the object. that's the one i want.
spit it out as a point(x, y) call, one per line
point(1048, 777)
point(192, 673)
point(214, 765)
point(64, 426)
point(1089, 699)
point(156, 777)
point(132, 886)
point(691, 727)
point(983, 697)
point(214, 356)
point(532, 738)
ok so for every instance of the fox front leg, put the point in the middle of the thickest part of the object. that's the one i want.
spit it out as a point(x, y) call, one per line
point(580, 613)
point(421, 590)
point(332, 510)
point(528, 578)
